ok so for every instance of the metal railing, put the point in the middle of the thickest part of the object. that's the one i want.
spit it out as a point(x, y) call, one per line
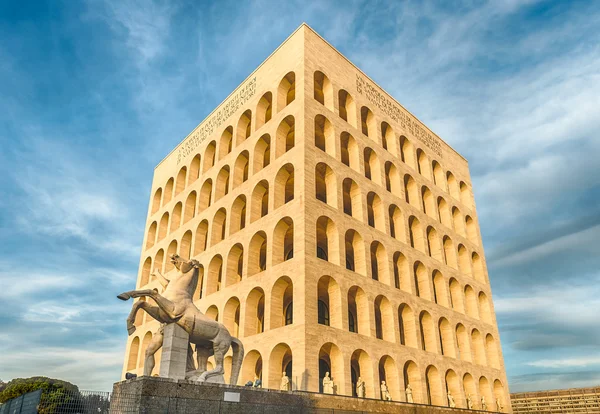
point(93, 402)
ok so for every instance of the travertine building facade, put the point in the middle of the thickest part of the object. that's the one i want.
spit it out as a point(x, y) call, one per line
point(572, 400)
point(336, 232)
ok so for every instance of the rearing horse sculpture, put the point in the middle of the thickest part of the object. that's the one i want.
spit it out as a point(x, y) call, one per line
point(175, 305)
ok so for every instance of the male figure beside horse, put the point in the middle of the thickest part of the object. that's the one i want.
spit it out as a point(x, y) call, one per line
point(175, 305)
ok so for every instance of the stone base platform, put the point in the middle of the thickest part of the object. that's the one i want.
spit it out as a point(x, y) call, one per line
point(154, 395)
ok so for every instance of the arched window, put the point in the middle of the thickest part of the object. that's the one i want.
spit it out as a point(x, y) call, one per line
point(284, 185)
point(235, 265)
point(471, 230)
point(372, 168)
point(283, 241)
point(428, 340)
point(194, 169)
point(375, 213)
point(465, 195)
point(190, 207)
point(214, 277)
point(347, 107)
point(452, 185)
point(285, 136)
point(421, 281)
point(156, 200)
point(238, 215)
point(151, 237)
point(423, 164)
point(222, 188)
point(408, 152)
point(205, 196)
point(450, 253)
point(240, 170)
point(264, 109)
point(397, 225)
point(327, 240)
point(355, 252)
point(416, 234)
point(226, 142)
point(444, 213)
point(411, 192)
point(390, 142)
point(384, 319)
point(255, 313)
point(428, 203)
point(326, 184)
point(262, 153)
point(464, 261)
point(349, 151)
point(286, 92)
point(440, 293)
point(392, 179)
point(379, 263)
point(407, 325)
point(176, 217)
point(282, 295)
point(352, 199)
point(219, 224)
point(260, 201)
point(324, 135)
point(401, 272)
point(185, 249)
point(209, 156)
point(368, 124)
point(168, 194)
point(257, 253)
point(439, 178)
point(329, 298)
point(358, 304)
point(323, 90)
point(244, 127)
point(180, 183)
point(201, 237)
point(433, 241)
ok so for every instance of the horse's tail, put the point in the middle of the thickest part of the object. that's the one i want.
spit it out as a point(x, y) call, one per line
point(236, 362)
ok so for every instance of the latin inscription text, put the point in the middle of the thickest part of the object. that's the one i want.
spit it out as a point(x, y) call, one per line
point(216, 120)
point(405, 120)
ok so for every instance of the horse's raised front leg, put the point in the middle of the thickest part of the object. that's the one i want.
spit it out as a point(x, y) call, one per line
point(154, 345)
point(163, 303)
point(153, 311)
point(136, 294)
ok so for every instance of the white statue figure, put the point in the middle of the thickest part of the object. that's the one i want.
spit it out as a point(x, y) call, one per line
point(409, 397)
point(327, 384)
point(385, 392)
point(451, 402)
point(285, 383)
point(499, 404)
point(483, 403)
point(469, 402)
point(360, 388)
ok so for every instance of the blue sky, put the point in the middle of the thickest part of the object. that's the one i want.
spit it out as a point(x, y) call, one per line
point(93, 94)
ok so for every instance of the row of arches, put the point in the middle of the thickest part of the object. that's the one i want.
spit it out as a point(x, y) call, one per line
point(349, 249)
point(231, 137)
point(404, 187)
point(398, 146)
point(430, 386)
point(238, 213)
point(241, 261)
point(399, 323)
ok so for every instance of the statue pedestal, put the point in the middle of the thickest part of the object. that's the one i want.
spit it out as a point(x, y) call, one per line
point(173, 360)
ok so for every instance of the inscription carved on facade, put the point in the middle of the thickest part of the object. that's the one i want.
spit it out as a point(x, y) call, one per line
point(205, 129)
point(405, 120)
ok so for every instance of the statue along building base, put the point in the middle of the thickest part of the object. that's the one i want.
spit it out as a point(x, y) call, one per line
point(161, 395)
